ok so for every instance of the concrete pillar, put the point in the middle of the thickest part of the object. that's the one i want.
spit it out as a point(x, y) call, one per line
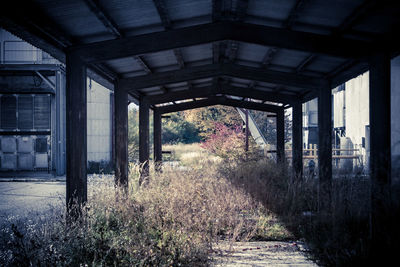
point(144, 151)
point(325, 148)
point(380, 140)
point(76, 191)
point(121, 136)
point(280, 136)
point(297, 135)
point(157, 140)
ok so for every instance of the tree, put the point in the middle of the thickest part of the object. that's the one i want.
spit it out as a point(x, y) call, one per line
point(205, 118)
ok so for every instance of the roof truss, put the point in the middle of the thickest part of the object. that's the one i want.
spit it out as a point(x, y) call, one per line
point(218, 100)
point(220, 31)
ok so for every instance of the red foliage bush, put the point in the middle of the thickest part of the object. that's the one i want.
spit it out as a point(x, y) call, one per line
point(226, 142)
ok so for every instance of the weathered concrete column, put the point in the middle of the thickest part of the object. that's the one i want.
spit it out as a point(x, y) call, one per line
point(144, 151)
point(157, 140)
point(121, 136)
point(280, 135)
point(297, 135)
point(325, 148)
point(380, 141)
point(76, 144)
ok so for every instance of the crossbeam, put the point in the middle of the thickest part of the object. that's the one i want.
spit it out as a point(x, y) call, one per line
point(219, 31)
point(218, 100)
point(215, 70)
point(225, 90)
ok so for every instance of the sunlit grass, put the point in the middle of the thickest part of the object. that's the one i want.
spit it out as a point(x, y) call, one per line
point(174, 219)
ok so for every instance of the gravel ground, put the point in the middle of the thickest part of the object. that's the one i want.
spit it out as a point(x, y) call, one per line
point(266, 253)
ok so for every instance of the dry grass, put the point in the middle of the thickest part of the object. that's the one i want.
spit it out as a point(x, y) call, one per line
point(173, 220)
point(179, 214)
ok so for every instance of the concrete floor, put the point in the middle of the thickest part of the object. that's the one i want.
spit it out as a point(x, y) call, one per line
point(21, 198)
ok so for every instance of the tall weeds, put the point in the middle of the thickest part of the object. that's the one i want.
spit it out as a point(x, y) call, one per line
point(173, 220)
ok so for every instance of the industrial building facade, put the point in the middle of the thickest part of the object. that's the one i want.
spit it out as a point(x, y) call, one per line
point(32, 112)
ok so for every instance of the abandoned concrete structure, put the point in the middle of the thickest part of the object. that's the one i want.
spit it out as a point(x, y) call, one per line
point(32, 104)
point(171, 55)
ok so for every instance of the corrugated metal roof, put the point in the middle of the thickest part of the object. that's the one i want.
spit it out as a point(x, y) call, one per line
point(77, 22)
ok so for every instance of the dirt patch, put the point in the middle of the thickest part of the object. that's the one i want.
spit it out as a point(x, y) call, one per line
point(269, 253)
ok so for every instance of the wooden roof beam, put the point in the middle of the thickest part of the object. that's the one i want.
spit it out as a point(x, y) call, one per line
point(225, 90)
point(305, 63)
point(293, 14)
point(218, 100)
point(107, 21)
point(216, 70)
point(227, 30)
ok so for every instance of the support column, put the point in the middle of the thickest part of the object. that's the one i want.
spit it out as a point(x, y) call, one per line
point(144, 139)
point(76, 191)
point(297, 133)
point(157, 140)
point(121, 136)
point(60, 124)
point(380, 141)
point(280, 136)
point(325, 148)
point(247, 131)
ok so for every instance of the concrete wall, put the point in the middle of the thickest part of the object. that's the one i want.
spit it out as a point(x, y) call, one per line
point(357, 107)
point(98, 123)
point(310, 122)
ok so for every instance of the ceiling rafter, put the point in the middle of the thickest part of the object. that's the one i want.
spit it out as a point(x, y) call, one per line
point(219, 31)
point(218, 70)
point(239, 15)
point(358, 14)
point(44, 34)
point(167, 24)
point(101, 15)
point(303, 64)
point(293, 15)
point(225, 89)
point(218, 100)
point(287, 24)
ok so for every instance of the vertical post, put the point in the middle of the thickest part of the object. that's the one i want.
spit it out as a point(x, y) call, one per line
point(280, 135)
point(60, 124)
point(297, 135)
point(157, 140)
point(112, 127)
point(325, 147)
point(247, 131)
point(76, 191)
point(144, 139)
point(380, 141)
point(121, 136)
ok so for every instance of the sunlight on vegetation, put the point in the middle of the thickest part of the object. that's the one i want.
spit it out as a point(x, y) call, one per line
point(175, 219)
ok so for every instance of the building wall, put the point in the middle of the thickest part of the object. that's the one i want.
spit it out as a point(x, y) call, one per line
point(15, 51)
point(310, 122)
point(357, 107)
point(99, 122)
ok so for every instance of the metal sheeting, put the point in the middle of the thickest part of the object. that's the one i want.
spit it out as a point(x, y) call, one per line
point(132, 17)
point(8, 112)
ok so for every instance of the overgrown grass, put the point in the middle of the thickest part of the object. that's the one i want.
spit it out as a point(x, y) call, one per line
point(173, 220)
point(178, 215)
